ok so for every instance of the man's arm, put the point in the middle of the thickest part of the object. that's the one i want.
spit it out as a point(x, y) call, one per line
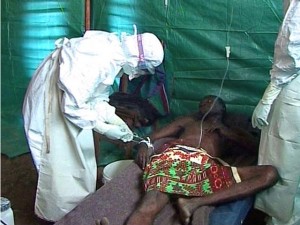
point(171, 130)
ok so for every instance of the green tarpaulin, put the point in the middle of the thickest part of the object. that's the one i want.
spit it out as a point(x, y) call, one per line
point(194, 32)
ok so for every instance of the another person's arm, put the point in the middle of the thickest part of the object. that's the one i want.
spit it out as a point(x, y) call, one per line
point(171, 130)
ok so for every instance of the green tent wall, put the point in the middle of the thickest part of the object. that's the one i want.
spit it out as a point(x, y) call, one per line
point(194, 32)
point(29, 29)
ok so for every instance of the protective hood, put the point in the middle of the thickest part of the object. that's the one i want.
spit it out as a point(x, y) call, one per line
point(143, 51)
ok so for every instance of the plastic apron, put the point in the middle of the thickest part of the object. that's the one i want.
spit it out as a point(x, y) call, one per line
point(67, 168)
point(280, 146)
point(280, 141)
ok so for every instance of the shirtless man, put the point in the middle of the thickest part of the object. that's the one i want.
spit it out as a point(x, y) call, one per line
point(202, 131)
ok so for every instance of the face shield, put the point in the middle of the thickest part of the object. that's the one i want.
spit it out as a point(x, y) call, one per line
point(143, 53)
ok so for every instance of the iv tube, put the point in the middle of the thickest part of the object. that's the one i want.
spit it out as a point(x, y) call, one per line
point(222, 83)
point(212, 105)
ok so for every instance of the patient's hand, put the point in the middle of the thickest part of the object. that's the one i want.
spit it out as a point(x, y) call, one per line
point(143, 156)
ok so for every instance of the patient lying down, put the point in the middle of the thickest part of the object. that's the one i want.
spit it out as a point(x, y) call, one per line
point(188, 167)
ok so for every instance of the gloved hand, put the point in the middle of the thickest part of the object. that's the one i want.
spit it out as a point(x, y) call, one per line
point(111, 125)
point(119, 132)
point(262, 110)
point(114, 132)
point(260, 115)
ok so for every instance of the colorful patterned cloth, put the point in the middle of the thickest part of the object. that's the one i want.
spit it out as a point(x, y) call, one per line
point(188, 171)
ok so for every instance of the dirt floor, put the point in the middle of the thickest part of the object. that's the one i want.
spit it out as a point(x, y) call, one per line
point(18, 184)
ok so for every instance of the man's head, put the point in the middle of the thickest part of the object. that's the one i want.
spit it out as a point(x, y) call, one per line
point(143, 52)
point(213, 104)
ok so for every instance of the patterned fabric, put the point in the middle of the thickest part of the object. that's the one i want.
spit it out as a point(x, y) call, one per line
point(188, 171)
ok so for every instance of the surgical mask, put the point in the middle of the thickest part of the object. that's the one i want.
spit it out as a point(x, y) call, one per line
point(134, 72)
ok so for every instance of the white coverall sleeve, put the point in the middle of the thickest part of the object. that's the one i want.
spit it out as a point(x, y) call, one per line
point(88, 68)
point(286, 64)
point(110, 125)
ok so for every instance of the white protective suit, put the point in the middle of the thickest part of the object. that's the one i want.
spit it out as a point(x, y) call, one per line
point(278, 115)
point(67, 98)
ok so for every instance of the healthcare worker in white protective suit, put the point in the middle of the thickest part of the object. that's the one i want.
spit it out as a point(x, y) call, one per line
point(278, 116)
point(66, 99)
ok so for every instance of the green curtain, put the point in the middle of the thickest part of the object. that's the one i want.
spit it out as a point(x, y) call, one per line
point(195, 33)
point(28, 32)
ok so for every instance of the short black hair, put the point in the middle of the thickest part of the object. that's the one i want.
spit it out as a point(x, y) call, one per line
point(147, 112)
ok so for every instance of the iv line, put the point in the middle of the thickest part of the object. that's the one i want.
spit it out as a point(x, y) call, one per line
point(227, 47)
point(212, 105)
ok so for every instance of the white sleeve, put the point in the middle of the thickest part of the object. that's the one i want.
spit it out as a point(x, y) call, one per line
point(88, 68)
point(111, 125)
point(286, 64)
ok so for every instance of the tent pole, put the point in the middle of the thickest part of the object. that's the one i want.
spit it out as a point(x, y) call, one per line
point(87, 15)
